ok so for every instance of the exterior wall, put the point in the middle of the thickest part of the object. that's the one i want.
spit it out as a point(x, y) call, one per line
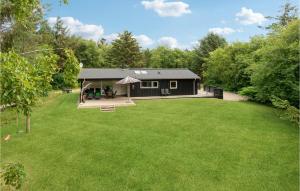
point(184, 87)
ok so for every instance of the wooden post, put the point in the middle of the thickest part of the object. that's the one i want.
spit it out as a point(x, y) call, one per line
point(194, 87)
point(28, 123)
point(80, 95)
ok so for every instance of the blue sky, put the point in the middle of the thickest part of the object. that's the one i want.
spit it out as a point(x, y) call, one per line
point(174, 23)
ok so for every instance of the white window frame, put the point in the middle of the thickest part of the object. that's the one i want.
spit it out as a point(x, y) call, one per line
point(152, 84)
point(172, 88)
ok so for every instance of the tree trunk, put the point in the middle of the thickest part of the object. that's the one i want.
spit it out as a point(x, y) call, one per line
point(28, 123)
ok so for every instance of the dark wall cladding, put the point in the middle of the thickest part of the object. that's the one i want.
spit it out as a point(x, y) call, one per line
point(184, 87)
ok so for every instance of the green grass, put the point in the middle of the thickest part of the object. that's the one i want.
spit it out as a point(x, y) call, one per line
point(186, 144)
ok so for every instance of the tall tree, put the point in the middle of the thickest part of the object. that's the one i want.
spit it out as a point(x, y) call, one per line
point(125, 51)
point(276, 73)
point(287, 13)
point(206, 45)
point(147, 58)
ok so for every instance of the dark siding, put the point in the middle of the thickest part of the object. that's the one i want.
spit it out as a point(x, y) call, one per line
point(184, 87)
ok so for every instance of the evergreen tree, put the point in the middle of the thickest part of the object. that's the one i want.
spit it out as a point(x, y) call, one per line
point(125, 51)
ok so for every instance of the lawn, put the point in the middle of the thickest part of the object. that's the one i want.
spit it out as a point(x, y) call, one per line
point(186, 144)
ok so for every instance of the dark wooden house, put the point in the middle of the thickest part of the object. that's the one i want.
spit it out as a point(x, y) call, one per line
point(153, 82)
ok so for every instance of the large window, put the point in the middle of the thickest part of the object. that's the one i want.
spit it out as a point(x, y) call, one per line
point(173, 84)
point(149, 84)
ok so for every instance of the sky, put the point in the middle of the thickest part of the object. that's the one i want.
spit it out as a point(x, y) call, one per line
point(172, 23)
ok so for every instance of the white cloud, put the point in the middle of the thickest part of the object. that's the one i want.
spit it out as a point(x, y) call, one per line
point(144, 40)
point(248, 17)
point(111, 37)
point(222, 31)
point(167, 9)
point(168, 41)
point(87, 31)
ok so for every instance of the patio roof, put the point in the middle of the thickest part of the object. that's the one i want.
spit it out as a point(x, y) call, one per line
point(141, 74)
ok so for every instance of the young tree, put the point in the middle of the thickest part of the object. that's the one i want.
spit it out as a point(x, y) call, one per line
point(71, 69)
point(21, 81)
point(125, 51)
point(206, 45)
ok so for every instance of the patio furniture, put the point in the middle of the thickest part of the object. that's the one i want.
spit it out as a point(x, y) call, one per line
point(97, 93)
point(90, 94)
point(164, 92)
point(108, 94)
point(167, 92)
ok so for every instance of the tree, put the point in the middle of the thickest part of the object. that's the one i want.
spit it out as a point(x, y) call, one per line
point(61, 33)
point(71, 69)
point(22, 82)
point(125, 51)
point(287, 13)
point(147, 58)
point(231, 66)
point(206, 45)
point(89, 53)
point(276, 73)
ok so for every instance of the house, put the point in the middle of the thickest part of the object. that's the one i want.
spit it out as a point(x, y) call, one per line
point(153, 82)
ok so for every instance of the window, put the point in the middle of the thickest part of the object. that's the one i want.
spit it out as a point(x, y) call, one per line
point(149, 84)
point(173, 84)
point(154, 84)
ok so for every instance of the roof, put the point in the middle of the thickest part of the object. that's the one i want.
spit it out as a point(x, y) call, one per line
point(140, 73)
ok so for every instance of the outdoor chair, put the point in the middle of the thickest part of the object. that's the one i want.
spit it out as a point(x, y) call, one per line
point(90, 94)
point(98, 93)
point(167, 92)
point(162, 91)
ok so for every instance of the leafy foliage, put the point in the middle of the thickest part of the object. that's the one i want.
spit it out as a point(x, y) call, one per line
point(22, 82)
point(288, 112)
point(13, 175)
point(227, 67)
point(206, 45)
point(264, 67)
point(288, 13)
point(71, 69)
point(249, 91)
point(277, 70)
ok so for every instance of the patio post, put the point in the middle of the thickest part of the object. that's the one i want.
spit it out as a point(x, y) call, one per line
point(80, 95)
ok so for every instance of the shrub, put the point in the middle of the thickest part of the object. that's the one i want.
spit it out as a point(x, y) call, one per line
point(288, 112)
point(13, 175)
point(249, 91)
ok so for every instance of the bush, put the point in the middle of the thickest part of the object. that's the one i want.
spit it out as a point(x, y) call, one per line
point(13, 175)
point(249, 91)
point(288, 112)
